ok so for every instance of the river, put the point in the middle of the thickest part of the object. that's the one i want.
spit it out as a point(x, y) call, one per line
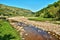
point(34, 33)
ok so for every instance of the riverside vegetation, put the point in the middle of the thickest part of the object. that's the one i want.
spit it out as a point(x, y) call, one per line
point(7, 32)
point(49, 13)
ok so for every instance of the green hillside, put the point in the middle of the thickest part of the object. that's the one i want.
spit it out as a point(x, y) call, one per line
point(51, 11)
point(14, 11)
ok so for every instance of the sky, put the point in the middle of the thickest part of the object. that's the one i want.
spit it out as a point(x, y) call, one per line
point(33, 5)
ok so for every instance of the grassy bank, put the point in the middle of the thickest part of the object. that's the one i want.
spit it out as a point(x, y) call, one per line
point(52, 20)
point(40, 19)
point(7, 32)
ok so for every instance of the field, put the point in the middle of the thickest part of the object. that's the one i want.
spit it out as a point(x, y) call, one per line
point(7, 32)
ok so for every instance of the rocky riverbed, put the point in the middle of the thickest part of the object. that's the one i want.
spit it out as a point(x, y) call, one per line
point(49, 31)
point(29, 32)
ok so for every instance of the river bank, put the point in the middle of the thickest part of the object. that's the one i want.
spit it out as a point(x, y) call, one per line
point(19, 23)
point(43, 25)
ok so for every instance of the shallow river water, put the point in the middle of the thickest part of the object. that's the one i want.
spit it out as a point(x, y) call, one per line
point(34, 33)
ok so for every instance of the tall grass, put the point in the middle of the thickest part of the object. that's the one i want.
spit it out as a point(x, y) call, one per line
point(6, 28)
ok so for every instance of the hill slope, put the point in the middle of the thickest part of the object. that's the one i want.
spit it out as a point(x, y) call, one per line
point(14, 11)
point(51, 11)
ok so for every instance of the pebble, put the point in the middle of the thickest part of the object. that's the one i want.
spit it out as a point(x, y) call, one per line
point(26, 34)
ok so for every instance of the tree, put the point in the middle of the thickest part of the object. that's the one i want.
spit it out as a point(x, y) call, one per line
point(48, 15)
point(58, 14)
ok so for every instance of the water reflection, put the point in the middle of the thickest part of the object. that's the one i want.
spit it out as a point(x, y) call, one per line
point(33, 33)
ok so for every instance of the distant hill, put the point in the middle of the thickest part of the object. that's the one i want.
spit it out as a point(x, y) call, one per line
point(51, 11)
point(14, 11)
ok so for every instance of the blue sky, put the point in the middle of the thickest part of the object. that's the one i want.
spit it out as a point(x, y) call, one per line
point(33, 5)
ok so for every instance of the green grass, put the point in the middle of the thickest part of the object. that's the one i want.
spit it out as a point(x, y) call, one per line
point(6, 29)
point(52, 20)
point(40, 19)
point(56, 22)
